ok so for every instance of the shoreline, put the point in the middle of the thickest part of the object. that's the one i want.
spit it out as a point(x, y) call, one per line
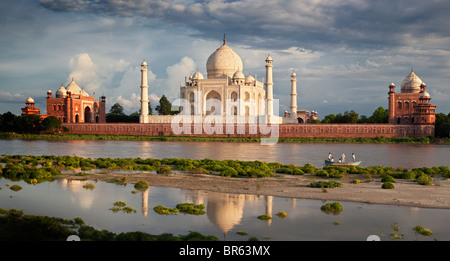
point(406, 192)
point(356, 140)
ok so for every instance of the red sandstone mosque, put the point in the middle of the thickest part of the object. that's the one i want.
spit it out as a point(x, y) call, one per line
point(412, 105)
point(71, 104)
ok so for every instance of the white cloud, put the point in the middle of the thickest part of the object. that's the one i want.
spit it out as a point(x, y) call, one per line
point(175, 74)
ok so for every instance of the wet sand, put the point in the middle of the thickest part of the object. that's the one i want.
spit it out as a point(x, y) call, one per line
point(405, 193)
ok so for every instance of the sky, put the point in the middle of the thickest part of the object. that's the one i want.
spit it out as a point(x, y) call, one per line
point(345, 53)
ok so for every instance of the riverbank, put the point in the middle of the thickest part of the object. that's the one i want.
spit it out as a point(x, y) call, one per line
point(368, 190)
point(406, 140)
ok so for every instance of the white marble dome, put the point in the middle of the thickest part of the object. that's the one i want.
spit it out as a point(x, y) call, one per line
point(224, 61)
point(73, 88)
point(61, 92)
point(411, 83)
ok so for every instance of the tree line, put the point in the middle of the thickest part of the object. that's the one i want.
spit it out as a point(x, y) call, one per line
point(10, 122)
point(116, 113)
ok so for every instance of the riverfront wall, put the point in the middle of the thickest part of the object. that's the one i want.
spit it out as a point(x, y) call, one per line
point(254, 130)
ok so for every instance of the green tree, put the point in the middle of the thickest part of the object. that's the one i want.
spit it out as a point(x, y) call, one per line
point(330, 118)
point(380, 115)
point(50, 124)
point(164, 107)
point(29, 124)
point(8, 122)
point(117, 109)
point(442, 129)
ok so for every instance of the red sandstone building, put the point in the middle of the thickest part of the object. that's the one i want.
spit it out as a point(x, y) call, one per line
point(412, 105)
point(71, 104)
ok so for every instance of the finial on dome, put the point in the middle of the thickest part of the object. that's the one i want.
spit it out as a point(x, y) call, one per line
point(224, 39)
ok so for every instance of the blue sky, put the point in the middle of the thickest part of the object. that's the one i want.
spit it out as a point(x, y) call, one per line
point(345, 53)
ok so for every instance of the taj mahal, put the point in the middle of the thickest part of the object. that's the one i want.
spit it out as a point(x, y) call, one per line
point(226, 92)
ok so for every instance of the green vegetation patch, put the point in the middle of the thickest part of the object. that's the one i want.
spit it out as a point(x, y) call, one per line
point(325, 184)
point(16, 226)
point(334, 208)
point(423, 231)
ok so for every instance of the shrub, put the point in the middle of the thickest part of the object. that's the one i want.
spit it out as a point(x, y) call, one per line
point(356, 181)
point(164, 170)
point(325, 184)
point(387, 185)
point(141, 184)
point(388, 178)
point(424, 180)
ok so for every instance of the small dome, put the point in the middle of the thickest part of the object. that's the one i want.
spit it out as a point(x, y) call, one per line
point(238, 75)
point(269, 59)
point(197, 76)
point(30, 100)
point(61, 91)
point(249, 79)
point(411, 83)
point(73, 88)
point(425, 94)
point(144, 63)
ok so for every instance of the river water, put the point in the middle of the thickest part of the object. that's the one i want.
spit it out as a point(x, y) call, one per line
point(226, 214)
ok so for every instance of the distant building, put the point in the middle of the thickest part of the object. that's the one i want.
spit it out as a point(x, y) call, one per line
point(70, 105)
point(30, 108)
point(226, 91)
point(73, 104)
point(412, 105)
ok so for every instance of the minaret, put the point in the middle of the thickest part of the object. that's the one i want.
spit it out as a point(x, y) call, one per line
point(391, 112)
point(269, 86)
point(294, 96)
point(144, 94)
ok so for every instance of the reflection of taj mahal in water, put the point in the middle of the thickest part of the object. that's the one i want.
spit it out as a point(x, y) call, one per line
point(224, 210)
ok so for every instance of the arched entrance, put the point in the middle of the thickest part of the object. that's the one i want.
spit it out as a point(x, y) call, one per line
point(213, 103)
point(87, 114)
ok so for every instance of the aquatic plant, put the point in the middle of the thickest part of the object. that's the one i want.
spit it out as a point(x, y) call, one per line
point(264, 217)
point(15, 188)
point(334, 208)
point(281, 214)
point(90, 186)
point(162, 210)
point(423, 231)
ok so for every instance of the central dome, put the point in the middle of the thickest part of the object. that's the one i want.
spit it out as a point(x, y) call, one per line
point(411, 83)
point(224, 61)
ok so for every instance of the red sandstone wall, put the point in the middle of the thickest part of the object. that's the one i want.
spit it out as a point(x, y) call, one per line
point(284, 130)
